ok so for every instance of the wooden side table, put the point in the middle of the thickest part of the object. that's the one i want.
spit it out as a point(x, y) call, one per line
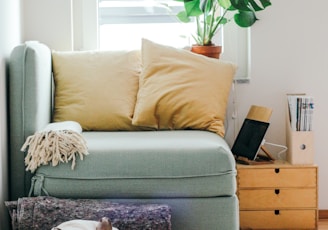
point(278, 196)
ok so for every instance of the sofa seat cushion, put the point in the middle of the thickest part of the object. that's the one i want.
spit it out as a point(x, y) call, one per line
point(184, 163)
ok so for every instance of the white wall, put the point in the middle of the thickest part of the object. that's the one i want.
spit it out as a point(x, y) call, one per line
point(49, 21)
point(289, 54)
point(9, 37)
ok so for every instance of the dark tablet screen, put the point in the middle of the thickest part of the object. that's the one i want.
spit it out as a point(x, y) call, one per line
point(249, 138)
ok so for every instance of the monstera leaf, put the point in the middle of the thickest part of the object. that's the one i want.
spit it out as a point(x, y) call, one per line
point(245, 16)
point(210, 18)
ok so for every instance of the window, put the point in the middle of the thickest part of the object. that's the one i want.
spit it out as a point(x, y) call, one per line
point(123, 23)
point(120, 24)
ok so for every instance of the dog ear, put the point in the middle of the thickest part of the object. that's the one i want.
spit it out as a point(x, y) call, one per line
point(104, 219)
point(104, 224)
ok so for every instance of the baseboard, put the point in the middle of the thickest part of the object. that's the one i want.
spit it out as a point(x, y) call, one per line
point(323, 214)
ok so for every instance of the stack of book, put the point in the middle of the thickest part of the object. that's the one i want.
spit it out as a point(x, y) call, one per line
point(301, 109)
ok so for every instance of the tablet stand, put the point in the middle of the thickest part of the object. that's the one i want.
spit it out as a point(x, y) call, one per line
point(260, 159)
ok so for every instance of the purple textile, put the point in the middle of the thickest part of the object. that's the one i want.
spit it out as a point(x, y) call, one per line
point(46, 212)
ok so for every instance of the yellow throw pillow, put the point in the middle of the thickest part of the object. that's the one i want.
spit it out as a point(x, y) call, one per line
point(98, 89)
point(182, 90)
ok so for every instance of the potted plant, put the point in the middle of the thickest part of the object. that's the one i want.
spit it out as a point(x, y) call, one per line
point(211, 15)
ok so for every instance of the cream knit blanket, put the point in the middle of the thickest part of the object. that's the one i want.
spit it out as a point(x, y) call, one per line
point(57, 142)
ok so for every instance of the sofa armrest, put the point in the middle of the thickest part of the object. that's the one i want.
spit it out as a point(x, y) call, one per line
point(30, 105)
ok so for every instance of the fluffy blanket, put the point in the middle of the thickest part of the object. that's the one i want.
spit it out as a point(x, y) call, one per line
point(57, 142)
point(46, 212)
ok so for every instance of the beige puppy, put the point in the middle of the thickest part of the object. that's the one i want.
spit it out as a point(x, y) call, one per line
point(103, 224)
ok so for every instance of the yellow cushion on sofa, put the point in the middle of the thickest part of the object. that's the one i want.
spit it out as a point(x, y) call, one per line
point(96, 88)
point(182, 90)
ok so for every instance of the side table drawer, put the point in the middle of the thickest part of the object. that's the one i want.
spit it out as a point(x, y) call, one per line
point(277, 177)
point(263, 199)
point(283, 219)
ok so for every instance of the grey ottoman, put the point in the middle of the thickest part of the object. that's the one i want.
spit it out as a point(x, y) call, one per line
point(35, 213)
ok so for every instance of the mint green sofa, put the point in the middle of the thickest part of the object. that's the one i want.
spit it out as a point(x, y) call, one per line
point(193, 171)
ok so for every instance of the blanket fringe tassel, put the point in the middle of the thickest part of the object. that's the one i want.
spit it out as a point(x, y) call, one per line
point(53, 147)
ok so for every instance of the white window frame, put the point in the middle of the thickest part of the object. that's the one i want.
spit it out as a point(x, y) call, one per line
point(236, 45)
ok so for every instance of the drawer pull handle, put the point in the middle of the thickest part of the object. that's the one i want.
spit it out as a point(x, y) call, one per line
point(277, 191)
point(276, 212)
point(277, 170)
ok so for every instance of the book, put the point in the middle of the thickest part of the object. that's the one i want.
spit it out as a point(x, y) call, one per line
point(300, 108)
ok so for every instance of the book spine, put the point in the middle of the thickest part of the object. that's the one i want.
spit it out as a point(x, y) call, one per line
point(300, 112)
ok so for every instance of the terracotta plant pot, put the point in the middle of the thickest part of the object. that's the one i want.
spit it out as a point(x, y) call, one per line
point(209, 51)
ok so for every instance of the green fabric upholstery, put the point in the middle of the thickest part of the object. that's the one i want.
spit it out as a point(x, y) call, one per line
point(121, 164)
point(30, 98)
point(192, 171)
